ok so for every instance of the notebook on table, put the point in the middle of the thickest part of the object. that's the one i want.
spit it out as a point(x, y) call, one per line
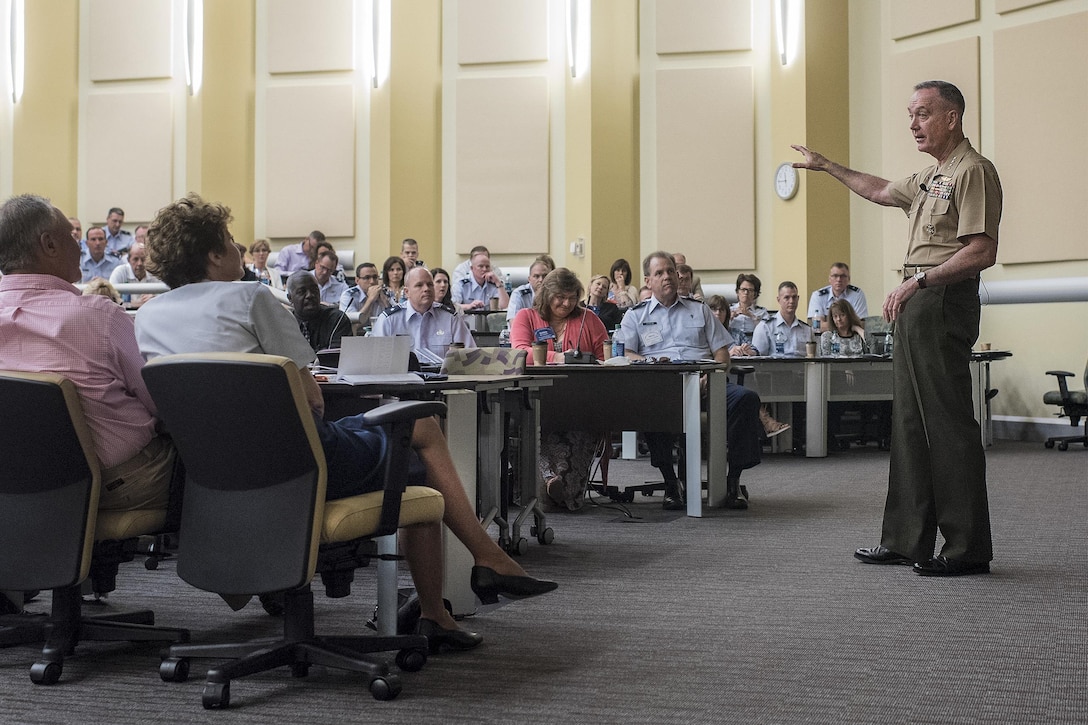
point(371, 360)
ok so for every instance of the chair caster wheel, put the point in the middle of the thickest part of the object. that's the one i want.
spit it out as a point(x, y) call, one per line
point(45, 673)
point(174, 669)
point(519, 547)
point(151, 563)
point(546, 536)
point(385, 688)
point(411, 660)
point(1063, 446)
point(216, 695)
point(1049, 444)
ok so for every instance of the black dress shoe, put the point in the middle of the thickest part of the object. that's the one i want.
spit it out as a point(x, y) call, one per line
point(943, 566)
point(880, 555)
point(439, 638)
point(489, 584)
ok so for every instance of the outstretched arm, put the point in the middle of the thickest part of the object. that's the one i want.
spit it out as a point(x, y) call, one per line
point(867, 186)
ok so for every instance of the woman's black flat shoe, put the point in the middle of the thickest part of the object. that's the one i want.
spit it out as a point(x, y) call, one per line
point(439, 638)
point(489, 585)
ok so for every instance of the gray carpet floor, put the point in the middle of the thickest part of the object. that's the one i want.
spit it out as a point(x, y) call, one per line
point(760, 616)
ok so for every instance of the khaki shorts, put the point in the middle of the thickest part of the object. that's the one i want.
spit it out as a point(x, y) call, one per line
point(141, 482)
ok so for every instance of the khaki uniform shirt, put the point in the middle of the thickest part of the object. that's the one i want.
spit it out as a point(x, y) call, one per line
point(960, 198)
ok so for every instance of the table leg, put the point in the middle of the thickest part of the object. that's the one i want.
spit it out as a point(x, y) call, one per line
point(490, 506)
point(461, 437)
point(716, 439)
point(816, 385)
point(693, 476)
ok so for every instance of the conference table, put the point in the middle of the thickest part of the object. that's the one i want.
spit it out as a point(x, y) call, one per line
point(649, 397)
point(822, 380)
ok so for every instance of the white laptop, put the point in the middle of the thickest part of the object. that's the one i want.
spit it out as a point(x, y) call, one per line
point(375, 360)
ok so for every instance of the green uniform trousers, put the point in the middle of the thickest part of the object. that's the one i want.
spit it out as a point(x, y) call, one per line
point(937, 477)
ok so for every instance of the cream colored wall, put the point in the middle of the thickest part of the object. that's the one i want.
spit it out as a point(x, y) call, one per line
point(827, 104)
point(415, 86)
point(615, 129)
point(44, 126)
point(223, 168)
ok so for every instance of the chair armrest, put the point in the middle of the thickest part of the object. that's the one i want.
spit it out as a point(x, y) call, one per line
point(1063, 384)
point(740, 371)
point(402, 411)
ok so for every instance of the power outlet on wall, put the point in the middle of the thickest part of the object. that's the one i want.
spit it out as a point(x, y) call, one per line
point(578, 247)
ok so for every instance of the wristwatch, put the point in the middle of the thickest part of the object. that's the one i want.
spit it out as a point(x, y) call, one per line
point(920, 278)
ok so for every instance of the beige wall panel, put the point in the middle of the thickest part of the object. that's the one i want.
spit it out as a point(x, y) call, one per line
point(130, 152)
point(706, 166)
point(502, 164)
point(956, 62)
point(501, 31)
point(310, 161)
point(129, 39)
point(698, 26)
point(923, 16)
point(310, 37)
point(1040, 138)
point(1007, 6)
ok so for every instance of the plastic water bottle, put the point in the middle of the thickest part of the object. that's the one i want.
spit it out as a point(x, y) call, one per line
point(779, 344)
point(509, 286)
point(504, 336)
point(888, 344)
point(618, 348)
point(816, 326)
point(835, 344)
point(264, 278)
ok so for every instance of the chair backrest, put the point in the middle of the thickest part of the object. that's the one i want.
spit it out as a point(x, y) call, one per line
point(876, 323)
point(484, 361)
point(255, 472)
point(49, 483)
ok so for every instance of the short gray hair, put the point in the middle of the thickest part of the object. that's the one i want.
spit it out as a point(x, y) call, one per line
point(23, 220)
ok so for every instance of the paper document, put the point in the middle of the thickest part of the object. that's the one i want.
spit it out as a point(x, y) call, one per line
point(374, 360)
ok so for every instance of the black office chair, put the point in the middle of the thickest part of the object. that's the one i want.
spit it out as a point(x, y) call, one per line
point(52, 535)
point(260, 524)
point(1074, 403)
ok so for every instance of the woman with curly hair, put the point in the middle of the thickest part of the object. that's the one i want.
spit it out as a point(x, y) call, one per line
point(206, 310)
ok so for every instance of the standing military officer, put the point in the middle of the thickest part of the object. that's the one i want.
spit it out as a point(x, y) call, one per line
point(937, 477)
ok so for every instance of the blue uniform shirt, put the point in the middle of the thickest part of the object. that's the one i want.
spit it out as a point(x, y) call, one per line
point(687, 330)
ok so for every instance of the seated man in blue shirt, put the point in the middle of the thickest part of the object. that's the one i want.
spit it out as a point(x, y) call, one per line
point(476, 291)
point(325, 273)
point(681, 328)
point(432, 327)
point(794, 332)
point(95, 262)
point(363, 297)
